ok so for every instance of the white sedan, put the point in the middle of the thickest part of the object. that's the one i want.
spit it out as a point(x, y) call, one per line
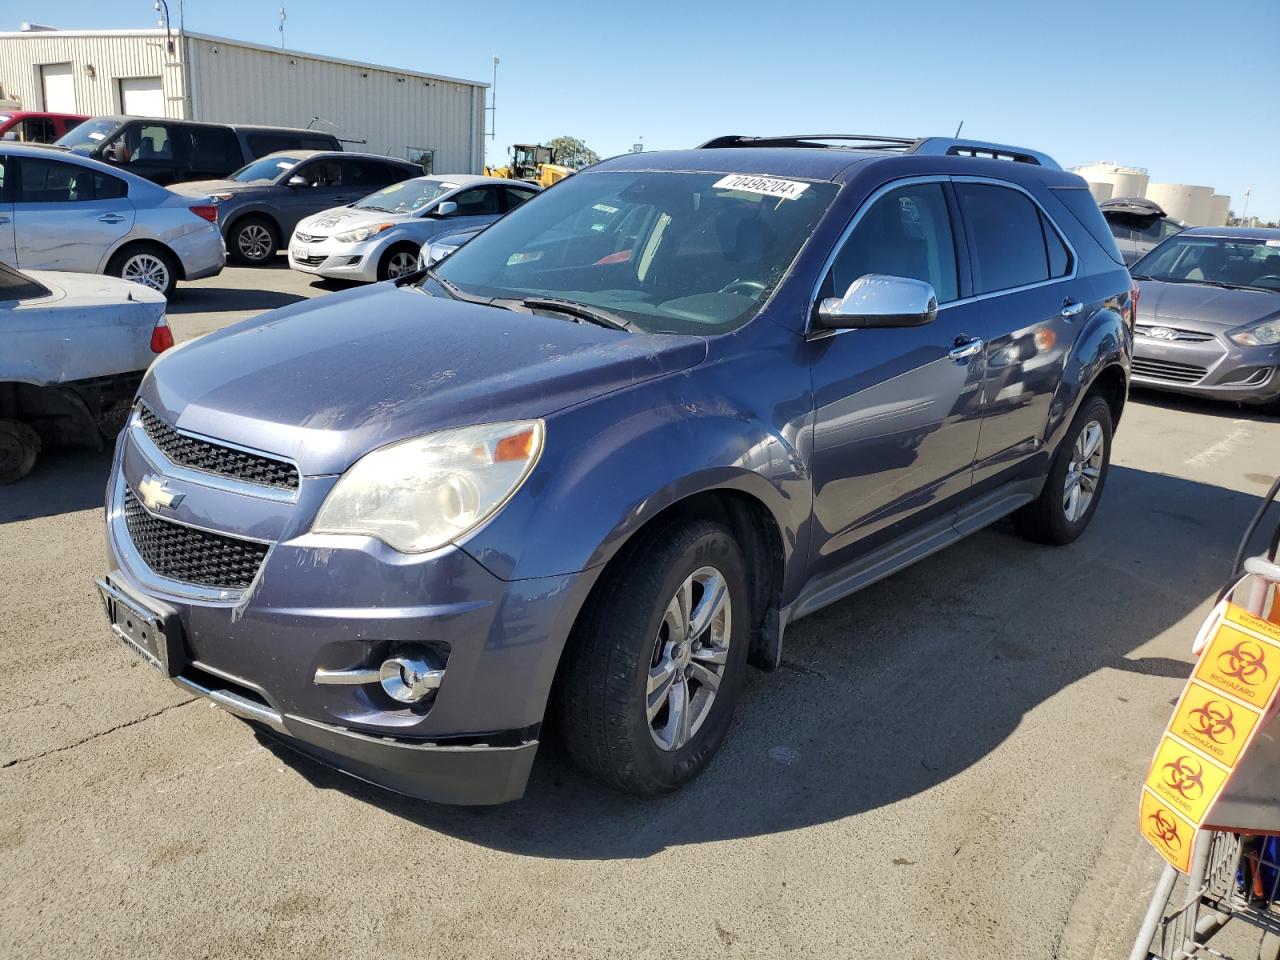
point(378, 238)
point(75, 350)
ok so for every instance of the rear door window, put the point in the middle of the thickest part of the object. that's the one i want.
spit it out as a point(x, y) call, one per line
point(906, 233)
point(1056, 248)
point(213, 148)
point(372, 174)
point(515, 196)
point(1006, 237)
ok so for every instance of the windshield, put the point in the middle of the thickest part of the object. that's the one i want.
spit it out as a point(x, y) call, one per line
point(264, 170)
point(408, 196)
point(86, 137)
point(669, 252)
point(1235, 262)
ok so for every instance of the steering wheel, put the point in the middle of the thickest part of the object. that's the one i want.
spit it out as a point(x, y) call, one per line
point(744, 288)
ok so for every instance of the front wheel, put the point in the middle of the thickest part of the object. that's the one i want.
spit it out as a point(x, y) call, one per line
point(19, 448)
point(1076, 478)
point(656, 662)
point(397, 262)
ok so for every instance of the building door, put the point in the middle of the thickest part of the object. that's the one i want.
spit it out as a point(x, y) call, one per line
point(59, 87)
point(141, 97)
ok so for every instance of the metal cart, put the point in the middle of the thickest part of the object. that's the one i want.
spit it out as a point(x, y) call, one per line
point(1234, 880)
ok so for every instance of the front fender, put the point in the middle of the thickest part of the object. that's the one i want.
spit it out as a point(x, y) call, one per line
point(613, 464)
point(1104, 341)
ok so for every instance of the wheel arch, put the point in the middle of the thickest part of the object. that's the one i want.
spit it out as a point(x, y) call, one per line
point(262, 213)
point(128, 243)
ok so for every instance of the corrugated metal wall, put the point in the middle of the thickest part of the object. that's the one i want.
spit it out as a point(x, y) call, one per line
point(393, 111)
point(232, 82)
point(112, 56)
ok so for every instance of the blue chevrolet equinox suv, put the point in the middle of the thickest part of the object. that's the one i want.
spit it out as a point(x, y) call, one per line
point(584, 471)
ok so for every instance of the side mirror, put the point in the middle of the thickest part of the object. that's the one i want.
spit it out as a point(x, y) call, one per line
point(446, 208)
point(876, 300)
point(296, 181)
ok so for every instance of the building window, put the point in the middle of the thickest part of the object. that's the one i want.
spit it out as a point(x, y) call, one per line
point(423, 157)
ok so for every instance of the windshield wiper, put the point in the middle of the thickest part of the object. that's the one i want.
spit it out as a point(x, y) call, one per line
point(1141, 276)
point(369, 206)
point(600, 318)
point(1221, 284)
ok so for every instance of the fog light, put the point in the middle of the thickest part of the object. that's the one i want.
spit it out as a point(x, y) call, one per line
point(408, 679)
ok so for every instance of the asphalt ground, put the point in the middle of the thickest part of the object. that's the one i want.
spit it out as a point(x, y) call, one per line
point(946, 765)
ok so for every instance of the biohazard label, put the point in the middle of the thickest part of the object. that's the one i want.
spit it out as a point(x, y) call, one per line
point(1167, 831)
point(1214, 724)
point(1232, 687)
point(1185, 779)
point(1241, 664)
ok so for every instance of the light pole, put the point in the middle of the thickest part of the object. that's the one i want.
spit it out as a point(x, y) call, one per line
point(493, 101)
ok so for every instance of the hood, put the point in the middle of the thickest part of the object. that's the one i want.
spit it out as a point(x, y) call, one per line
point(203, 188)
point(326, 381)
point(1192, 306)
point(347, 218)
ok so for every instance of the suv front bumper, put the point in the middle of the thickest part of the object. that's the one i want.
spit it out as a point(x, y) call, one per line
point(348, 603)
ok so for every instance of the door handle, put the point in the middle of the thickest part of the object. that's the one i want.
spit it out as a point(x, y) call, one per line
point(1071, 307)
point(4, 219)
point(964, 349)
point(111, 218)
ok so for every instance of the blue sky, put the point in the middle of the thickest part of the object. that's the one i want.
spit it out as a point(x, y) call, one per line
point(1190, 90)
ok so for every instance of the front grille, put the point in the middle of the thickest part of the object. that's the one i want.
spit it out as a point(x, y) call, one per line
point(214, 458)
point(191, 556)
point(1178, 335)
point(311, 261)
point(1167, 370)
point(309, 237)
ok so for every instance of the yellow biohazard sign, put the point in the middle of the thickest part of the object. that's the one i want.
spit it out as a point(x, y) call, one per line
point(1231, 689)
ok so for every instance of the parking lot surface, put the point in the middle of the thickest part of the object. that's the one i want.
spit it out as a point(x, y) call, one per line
point(947, 763)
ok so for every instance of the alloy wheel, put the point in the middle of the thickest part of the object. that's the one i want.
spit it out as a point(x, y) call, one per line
point(148, 270)
point(400, 264)
point(1083, 472)
point(254, 241)
point(690, 653)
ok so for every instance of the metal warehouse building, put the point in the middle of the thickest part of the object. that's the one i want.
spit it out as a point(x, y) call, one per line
point(400, 113)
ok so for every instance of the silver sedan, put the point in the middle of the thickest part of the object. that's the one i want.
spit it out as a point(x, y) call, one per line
point(379, 237)
point(60, 211)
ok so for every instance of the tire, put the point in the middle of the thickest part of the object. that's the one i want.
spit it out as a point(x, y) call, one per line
point(19, 448)
point(625, 646)
point(148, 264)
point(253, 241)
point(397, 261)
point(1052, 517)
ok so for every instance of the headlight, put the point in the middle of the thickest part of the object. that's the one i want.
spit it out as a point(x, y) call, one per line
point(362, 233)
point(420, 494)
point(438, 251)
point(1263, 335)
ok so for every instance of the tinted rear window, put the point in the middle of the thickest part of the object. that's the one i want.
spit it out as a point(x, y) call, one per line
point(1080, 203)
point(1006, 237)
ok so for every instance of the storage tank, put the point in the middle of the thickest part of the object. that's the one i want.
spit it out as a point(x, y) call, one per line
point(1101, 191)
point(1183, 201)
point(1218, 211)
point(1125, 181)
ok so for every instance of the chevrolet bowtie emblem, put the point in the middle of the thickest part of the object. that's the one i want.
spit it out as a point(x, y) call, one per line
point(156, 495)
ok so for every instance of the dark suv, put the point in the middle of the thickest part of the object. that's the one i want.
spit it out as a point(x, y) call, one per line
point(597, 460)
point(175, 151)
point(260, 204)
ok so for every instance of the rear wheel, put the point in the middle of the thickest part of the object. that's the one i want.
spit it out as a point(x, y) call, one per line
point(147, 264)
point(656, 662)
point(1076, 478)
point(19, 448)
point(253, 241)
point(399, 260)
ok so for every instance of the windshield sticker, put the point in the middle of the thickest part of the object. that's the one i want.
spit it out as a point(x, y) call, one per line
point(95, 135)
point(1273, 243)
point(604, 208)
point(769, 186)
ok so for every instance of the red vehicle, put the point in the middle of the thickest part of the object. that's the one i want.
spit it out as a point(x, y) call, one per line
point(33, 127)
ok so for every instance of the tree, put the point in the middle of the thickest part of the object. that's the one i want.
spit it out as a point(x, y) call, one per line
point(572, 152)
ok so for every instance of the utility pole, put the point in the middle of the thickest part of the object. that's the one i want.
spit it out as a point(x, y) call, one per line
point(282, 19)
point(492, 109)
point(1244, 214)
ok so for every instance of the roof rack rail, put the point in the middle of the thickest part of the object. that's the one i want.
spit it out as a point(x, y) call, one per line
point(926, 146)
point(949, 146)
point(852, 141)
